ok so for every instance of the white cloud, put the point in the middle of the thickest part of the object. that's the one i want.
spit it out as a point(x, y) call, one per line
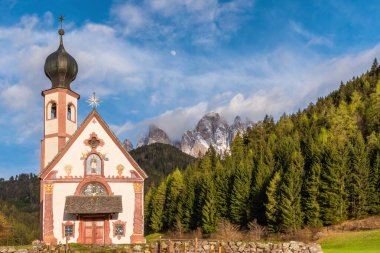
point(172, 121)
point(173, 52)
point(288, 84)
point(251, 85)
point(201, 21)
point(16, 97)
point(312, 39)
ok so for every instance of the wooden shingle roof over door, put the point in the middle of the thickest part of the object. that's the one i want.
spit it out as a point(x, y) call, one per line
point(93, 204)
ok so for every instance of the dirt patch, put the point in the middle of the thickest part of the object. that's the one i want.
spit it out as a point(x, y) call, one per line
point(369, 223)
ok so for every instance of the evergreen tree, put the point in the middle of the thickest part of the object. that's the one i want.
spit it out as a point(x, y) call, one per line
point(311, 189)
point(272, 204)
point(373, 115)
point(209, 209)
point(358, 180)
point(158, 204)
point(290, 195)
point(373, 196)
point(261, 176)
point(173, 210)
point(374, 188)
point(222, 185)
point(148, 206)
point(239, 207)
point(331, 187)
point(188, 200)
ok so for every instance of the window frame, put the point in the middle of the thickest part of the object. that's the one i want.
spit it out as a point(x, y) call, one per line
point(49, 107)
point(68, 224)
point(119, 223)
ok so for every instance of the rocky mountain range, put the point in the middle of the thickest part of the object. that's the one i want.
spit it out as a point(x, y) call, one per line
point(211, 129)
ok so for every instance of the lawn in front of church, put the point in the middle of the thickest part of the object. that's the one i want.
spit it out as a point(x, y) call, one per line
point(352, 242)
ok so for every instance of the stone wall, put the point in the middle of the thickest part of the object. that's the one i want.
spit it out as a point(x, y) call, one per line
point(178, 246)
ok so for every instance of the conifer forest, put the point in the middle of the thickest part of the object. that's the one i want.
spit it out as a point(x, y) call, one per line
point(314, 168)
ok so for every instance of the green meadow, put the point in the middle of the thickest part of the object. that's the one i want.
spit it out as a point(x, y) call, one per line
point(352, 242)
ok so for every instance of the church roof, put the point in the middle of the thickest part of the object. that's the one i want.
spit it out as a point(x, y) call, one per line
point(93, 204)
point(74, 137)
point(60, 67)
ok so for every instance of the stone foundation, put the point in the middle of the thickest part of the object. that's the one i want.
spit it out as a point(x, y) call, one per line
point(180, 246)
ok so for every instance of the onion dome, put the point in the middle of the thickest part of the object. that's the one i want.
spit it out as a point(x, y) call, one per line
point(60, 67)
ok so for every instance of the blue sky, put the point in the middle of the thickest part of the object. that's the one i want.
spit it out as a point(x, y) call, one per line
point(169, 62)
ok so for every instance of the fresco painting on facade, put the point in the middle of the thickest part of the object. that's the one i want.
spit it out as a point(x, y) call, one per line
point(84, 199)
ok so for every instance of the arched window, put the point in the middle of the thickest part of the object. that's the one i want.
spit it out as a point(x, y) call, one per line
point(71, 112)
point(93, 165)
point(94, 189)
point(52, 110)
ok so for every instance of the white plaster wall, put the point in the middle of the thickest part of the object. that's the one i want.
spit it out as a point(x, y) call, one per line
point(127, 192)
point(51, 126)
point(71, 127)
point(51, 147)
point(60, 191)
point(113, 154)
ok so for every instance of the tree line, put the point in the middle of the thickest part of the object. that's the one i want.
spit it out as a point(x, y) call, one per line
point(316, 167)
point(19, 209)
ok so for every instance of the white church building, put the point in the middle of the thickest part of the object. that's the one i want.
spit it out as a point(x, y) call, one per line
point(91, 188)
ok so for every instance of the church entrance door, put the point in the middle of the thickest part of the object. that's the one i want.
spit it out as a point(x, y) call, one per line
point(93, 231)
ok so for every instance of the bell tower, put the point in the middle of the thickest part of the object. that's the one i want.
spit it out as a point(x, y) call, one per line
point(60, 102)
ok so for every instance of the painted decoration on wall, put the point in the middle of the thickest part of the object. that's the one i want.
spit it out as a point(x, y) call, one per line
point(68, 169)
point(120, 169)
point(93, 165)
point(94, 189)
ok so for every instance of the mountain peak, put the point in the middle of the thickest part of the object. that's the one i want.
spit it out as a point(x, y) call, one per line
point(154, 135)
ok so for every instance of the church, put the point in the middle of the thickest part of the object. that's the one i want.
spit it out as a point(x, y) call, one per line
point(91, 188)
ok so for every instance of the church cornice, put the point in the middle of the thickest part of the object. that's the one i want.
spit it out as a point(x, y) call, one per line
point(63, 90)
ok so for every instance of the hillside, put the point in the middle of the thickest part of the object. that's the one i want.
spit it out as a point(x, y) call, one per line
point(19, 209)
point(159, 160)
point(317, 167)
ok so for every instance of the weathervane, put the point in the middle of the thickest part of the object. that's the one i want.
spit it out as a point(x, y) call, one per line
point(93, 101)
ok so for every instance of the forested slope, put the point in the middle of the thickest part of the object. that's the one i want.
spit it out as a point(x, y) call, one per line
point(19, 209)
point(159, 160)
point(317, 167)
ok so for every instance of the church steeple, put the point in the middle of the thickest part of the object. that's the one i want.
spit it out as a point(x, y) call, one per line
point(60, 102)
point(60, 67)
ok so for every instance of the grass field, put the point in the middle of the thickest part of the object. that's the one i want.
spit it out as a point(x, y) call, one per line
point(352, 242)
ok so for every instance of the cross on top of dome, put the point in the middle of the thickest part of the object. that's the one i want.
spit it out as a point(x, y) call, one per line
point(60, 67)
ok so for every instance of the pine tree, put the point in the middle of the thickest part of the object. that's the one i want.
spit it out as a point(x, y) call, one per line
point(358, 180)
point(188, 200)
point(148, 206)
point(290, 195)
point(310, 202)
point(209, 209)
point(310, 188)
point(173, 209)
point(373, 115)
point(261, 176)
point(272, 204)
point(331, 192)
point(222, 185)
point(239, 207)
point(374, 66)
point(374, 188)
point(158, 204)
point(373, 150)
